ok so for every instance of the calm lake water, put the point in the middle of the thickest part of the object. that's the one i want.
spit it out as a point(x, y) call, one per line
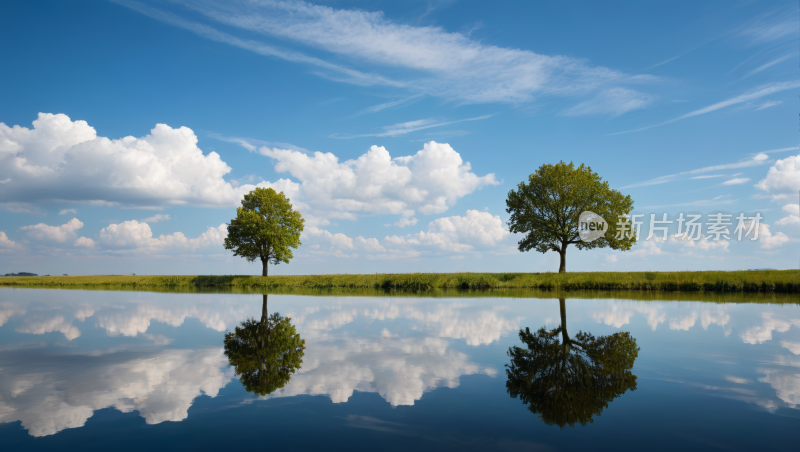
point(145, 370)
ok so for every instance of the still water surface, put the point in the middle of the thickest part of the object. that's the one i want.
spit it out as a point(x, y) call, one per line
point(143, 370)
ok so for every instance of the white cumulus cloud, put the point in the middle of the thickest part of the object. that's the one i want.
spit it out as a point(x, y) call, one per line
point(408, 219)
point(766, 238)
point(84, 242)
point(65, 160)
point(370, 244)
point(338, 240)
point(8, 244)
point(783, 178)
point(457, 234)
point(793, 217)
point(688, 245)
point(135, 235)
point(61, 159)
point(703, 243)
point(59, 234)
point(430, 181)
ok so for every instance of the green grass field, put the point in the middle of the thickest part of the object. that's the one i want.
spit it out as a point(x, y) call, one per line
point(766, 281)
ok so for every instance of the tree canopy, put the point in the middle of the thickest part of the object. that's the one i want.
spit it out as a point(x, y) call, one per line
point(266, 228)
point(265, 353)
point(548, 206)
point(572, 380)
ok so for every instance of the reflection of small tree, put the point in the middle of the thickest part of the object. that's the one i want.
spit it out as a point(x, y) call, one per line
point(265, 353)
point(573, 379)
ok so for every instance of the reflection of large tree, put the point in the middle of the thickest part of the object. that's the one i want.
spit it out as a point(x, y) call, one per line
point(572, 379)
point(265, 353)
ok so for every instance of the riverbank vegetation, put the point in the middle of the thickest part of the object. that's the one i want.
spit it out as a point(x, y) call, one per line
point(764, 281)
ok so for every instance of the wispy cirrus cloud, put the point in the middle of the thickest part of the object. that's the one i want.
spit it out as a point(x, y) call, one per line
point(768, 104)
point(251, 144)
point(614, 101)
point(736, 181)
point(403, 128)
point(776, 24)
point(668, 60)
point(775, 151)
point(391, 104)
point(331, 101)
point(769, 64)
point(718, 201)
point(756, 160)
point(156, 218)
point(345, 74)
point(756, 93)
point(430, 60)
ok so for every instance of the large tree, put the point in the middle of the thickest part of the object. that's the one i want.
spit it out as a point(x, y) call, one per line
point(266, 228)
point(572, 380)
point(265, 353)
point(548, 206)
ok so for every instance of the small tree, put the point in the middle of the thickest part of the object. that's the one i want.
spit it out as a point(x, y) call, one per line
point(266, 227)
point(547, 209)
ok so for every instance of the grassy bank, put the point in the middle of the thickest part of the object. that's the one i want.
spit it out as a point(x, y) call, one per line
point(544, 294)
point(767, 281)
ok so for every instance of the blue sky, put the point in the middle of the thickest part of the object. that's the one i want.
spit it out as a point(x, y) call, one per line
point(130, 130)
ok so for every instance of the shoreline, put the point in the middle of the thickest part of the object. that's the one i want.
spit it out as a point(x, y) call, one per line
point(749, 281)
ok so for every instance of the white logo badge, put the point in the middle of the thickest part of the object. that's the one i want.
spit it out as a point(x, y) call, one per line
point(591, 226)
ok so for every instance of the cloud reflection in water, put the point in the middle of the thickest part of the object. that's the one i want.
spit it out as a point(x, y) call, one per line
point(50, 393)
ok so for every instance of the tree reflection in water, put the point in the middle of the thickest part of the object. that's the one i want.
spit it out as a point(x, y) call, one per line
point(265, 353)
point(573, 379)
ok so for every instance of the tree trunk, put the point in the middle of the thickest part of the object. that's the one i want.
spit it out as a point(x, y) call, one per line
point(563, 253)
point(264, 267)
point(264, 309)
point(564, 336)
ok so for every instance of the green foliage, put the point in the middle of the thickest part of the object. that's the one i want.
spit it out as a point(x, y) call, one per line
point(266, 228)
point(546, 209)
point(764, 281)
point(265, 354)
point(568, 383)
